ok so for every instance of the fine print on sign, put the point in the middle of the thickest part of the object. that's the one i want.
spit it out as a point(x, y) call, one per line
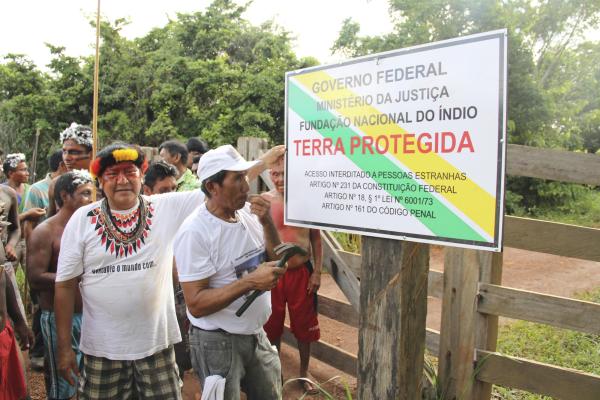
point(408, 144)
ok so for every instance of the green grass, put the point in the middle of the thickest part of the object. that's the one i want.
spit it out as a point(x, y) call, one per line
point(549, 345)
point(349, 241)
point(20, 275)
point(323, 393)
point(21, 280)
point(583, 210)
point(21, 283)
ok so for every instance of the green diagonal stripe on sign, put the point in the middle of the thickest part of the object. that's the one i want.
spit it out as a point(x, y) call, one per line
point(445, 224)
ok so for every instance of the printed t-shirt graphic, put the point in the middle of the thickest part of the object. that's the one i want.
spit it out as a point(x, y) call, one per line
point(248, 262)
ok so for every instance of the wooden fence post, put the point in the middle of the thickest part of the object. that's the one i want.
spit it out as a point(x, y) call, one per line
point(251, 148)
point(393, 307)
point(486, 334)
point(463, 328)
point(339, 271)
point(151, 153)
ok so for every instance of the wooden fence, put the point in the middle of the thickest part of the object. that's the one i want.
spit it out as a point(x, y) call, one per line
point(473, 298)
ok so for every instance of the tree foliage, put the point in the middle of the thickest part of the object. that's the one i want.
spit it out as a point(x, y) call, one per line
point(553, 74)
point(213, 74)
point(208, 74)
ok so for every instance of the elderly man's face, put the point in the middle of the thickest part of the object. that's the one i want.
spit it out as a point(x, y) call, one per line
point(121, 184)
point(233, 192)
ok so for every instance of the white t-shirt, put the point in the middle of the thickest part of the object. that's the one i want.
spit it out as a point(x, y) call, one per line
point(208, 247)
point(128, 306)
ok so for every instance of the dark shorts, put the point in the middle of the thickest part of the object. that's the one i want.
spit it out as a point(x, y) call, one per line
point(151, 378)
point(291, 290)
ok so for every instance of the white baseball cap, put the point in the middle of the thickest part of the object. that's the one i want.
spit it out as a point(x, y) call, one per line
point(224, 158)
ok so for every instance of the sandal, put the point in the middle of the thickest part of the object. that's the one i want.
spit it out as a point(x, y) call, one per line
point(309, 386)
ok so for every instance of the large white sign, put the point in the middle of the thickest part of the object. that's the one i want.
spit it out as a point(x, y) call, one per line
point(408, 144)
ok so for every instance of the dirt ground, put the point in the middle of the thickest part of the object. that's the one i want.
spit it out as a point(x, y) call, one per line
point(522, 269)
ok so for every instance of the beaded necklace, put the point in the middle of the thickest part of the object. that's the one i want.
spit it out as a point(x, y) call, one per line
point(137, 218)
point(122, 235)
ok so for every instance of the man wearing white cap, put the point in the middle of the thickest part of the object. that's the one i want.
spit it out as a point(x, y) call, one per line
point(221, 251)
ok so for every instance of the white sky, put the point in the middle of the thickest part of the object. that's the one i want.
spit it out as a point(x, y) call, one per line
point(25, 25)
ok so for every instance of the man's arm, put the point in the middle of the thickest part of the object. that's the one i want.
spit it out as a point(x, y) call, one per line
point(317, 249)
point(267, 160)
point(33, 200)
point(261, 208)
point(195, 269)
point(64, 303)
point(202, 300)
point(51, 202)
point(175, 274)
point(272, 239)
point(14, 231)
point(32, 214)
point(39, 256)
point(68, 271)
point(28, 227)
point(14, 312)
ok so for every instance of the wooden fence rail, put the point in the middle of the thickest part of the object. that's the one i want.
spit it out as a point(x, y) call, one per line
point(536, 377)
point(552, 238)
point(556, 165)
point(556, 311)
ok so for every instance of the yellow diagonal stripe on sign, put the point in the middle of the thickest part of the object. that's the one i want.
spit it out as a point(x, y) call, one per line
point(470, 198)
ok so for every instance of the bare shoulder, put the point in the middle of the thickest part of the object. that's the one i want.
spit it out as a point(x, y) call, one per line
point(42, 233)
point(47, 231)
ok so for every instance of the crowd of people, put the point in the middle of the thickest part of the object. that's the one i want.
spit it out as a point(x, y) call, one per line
point(137, 270)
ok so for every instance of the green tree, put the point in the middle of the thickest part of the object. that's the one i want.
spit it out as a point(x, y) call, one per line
point(25, 106)
point(208, 74)
point(553, 78)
